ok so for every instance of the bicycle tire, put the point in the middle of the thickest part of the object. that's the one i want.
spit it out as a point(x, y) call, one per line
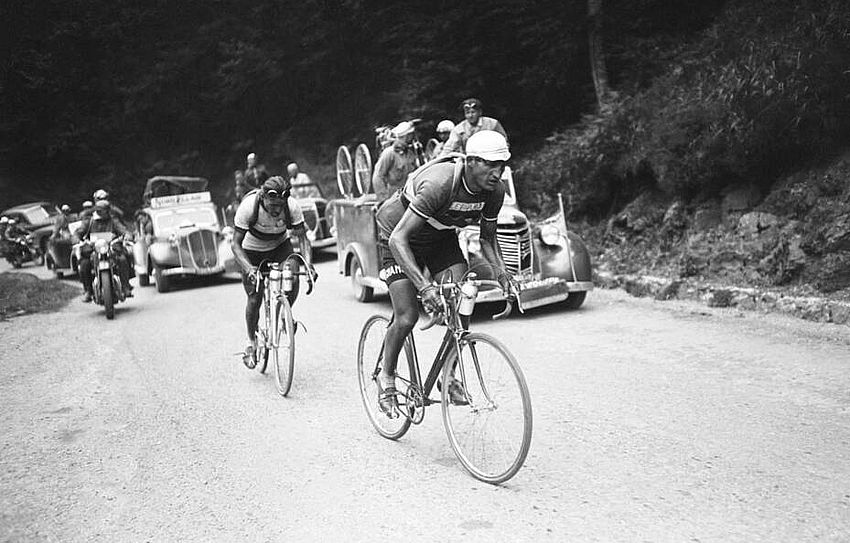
point(283, 346)
point(369, 350)
point(470, 428)
point(363, 169)
point(344, 172)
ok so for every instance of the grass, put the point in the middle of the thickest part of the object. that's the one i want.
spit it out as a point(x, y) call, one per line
point(25, 293)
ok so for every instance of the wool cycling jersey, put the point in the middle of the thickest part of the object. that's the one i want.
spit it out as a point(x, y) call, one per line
point(446, 203)
point(267, 232)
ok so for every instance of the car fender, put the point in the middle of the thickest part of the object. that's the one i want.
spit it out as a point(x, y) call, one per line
point(556, 261)
point(369, 265)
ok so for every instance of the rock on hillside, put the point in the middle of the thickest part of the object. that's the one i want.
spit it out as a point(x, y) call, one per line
point(796, 237)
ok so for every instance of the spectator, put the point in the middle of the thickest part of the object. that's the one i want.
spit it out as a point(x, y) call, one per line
point(395, 162)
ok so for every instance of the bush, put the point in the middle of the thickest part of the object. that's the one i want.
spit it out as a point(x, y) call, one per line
point(761, 92)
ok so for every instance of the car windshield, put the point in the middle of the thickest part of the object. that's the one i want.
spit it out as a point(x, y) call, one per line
point(37, 215)
point(306, 191)
point(184, 218)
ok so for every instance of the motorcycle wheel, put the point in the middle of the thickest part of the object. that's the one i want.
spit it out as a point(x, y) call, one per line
point(106, 294)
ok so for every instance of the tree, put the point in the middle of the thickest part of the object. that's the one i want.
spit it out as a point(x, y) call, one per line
point(598, 68)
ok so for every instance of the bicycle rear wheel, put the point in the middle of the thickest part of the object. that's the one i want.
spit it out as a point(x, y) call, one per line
point(283, 346)
point(370, 353)
point(492, 434)
point(344, 172)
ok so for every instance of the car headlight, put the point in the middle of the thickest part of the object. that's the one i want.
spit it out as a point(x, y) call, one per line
point(550, 235)
point(101, 246)
point(311, 235)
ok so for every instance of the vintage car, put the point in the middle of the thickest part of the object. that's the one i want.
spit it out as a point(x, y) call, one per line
point(178, 233)
point(38, 218)
point(317, 216)
point(550, 263)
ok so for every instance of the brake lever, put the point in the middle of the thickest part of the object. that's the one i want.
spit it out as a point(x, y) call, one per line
point(509, 307)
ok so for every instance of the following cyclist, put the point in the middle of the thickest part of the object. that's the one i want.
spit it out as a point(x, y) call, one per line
point(264, 224)
point(418, 230)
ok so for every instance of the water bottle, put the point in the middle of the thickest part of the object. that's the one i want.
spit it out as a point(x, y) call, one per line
point(287, 278)
point(274, 277)
point(468, 292)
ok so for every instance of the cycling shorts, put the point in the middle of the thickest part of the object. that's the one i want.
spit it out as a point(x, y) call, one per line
point(436, 255)
point(278, 254)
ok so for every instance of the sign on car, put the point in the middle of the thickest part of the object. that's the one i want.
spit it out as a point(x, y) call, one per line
point(177, 199)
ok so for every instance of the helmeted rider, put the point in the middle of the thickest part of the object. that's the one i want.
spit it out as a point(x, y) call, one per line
point(102, 220)
point(418, 231)
point(255, 174)
point(265, 222)
point(473, 123)
point(395, 162)
point(4, 223)
point(444, 129)
point(15, 231)
point(101, 194)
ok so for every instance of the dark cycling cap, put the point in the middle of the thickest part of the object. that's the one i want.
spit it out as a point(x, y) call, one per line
point(276, 183)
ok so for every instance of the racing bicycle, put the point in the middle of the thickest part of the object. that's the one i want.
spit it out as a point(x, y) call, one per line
point(490, 431)
point(277, 326)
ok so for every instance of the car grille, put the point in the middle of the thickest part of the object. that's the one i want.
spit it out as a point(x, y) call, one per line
point(199, 249)
point(516, 249)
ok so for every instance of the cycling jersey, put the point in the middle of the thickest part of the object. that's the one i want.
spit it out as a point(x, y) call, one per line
point(433, 193)
point(267, 232)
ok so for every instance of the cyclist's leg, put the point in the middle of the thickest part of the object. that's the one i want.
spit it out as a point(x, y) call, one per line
point(255, 296)
point(405, 316)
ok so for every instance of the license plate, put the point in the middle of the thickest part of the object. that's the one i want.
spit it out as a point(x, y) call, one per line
point(537, 283)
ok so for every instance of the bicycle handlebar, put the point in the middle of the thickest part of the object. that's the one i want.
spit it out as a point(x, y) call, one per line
point(450, 287)
point(310, 272)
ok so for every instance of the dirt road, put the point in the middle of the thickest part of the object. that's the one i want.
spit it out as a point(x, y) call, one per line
point(652, 422)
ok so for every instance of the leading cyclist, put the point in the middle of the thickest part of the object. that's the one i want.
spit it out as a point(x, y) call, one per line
point(264, 224)
point(418, 229)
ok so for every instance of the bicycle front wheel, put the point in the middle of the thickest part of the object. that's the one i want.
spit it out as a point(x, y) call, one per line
point(283, 346)
point(370, 361)
point(491, 432)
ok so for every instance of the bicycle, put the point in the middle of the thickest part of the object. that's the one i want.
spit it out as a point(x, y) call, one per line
point(490, 377)
point(277, 326)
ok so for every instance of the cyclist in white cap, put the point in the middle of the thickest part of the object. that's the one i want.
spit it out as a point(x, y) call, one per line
point(395, 162)
point(418, 229)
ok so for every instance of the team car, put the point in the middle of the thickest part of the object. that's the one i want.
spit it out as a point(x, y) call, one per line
point(178, 233)
point(318, 218)
point(550, 262)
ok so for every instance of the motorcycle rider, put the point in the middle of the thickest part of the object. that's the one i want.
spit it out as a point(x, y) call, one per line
point(255, 174)
point(14, 231)
point(101, 194)
point(102, 220)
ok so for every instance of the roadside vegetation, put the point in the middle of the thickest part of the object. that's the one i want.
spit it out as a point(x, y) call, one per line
point(25, 293)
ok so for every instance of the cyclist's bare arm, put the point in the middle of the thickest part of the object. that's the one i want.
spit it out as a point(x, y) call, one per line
point(400, 246)
point(238, 252)
point(489, 248)
point(304, 246)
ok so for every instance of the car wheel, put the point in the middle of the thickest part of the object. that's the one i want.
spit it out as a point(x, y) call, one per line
point(163, 282)
point(575, 300)
point(361, 292)
point(144, 279)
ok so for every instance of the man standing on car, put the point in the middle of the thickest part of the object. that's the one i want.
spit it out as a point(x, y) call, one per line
point(60, 227)
point(418, 231)
point(265, 223)
point(255, 175)
point(473, 122)
point(396, 162)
